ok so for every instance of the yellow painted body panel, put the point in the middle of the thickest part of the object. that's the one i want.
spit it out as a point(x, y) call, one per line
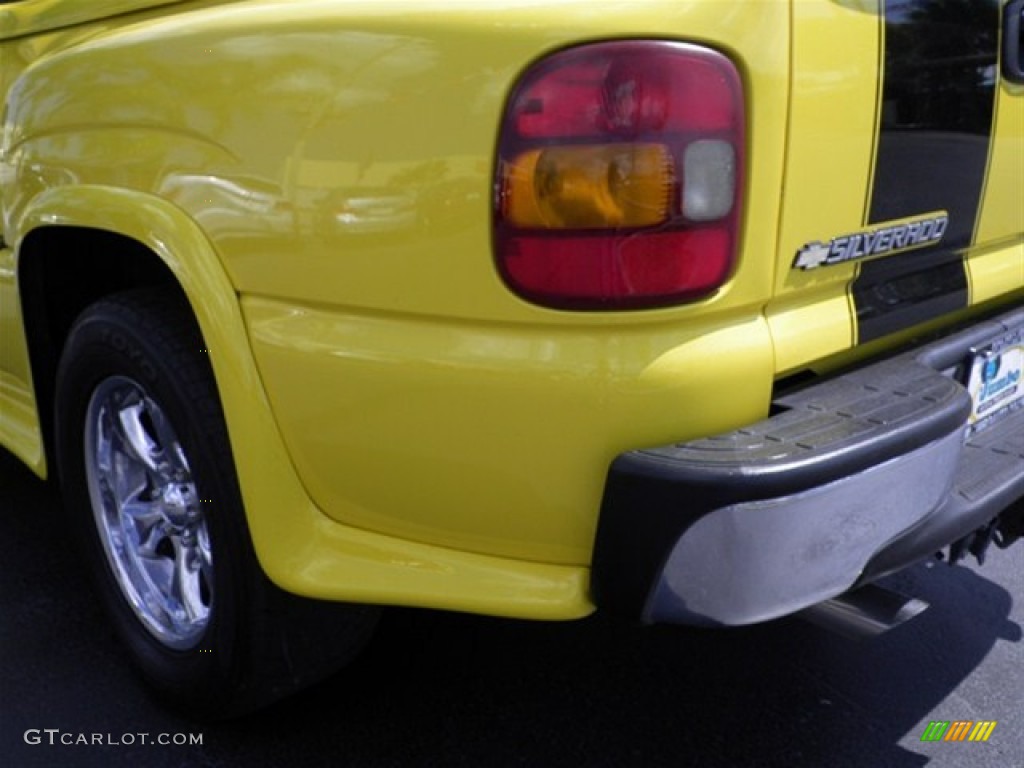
point(318, 176)
point(491, 438)
point(1001, 223)
point(832, 140)
point(29, 17)
point(19, 425)
point(830, 143)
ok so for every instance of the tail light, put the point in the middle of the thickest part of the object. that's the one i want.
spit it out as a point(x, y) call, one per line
point(619, 176)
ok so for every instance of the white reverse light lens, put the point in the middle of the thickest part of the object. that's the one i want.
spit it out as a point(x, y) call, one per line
point(709, 177)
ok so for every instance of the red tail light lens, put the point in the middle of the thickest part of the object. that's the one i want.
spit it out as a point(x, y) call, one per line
point(619, 176)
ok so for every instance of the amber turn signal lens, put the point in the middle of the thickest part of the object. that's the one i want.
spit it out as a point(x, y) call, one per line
point(605, 186)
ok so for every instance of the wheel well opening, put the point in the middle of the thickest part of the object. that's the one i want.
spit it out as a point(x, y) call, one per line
point(61, 271)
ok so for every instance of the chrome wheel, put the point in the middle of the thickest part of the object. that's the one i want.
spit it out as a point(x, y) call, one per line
point(148, 512)
point(149, 484)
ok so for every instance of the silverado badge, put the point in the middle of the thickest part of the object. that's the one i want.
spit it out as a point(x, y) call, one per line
point(881, 239)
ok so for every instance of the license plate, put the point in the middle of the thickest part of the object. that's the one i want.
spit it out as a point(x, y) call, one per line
point(995, 381)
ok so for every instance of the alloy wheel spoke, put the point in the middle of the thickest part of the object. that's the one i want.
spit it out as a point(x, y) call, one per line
point(137, 437)
point(188, 573)
point(158, 573)
point(148, 524)
point(172, 457)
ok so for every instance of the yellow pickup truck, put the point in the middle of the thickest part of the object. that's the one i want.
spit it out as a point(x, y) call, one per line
point(700, 312)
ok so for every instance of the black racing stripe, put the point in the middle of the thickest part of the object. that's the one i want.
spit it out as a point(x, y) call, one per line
point(935, 128)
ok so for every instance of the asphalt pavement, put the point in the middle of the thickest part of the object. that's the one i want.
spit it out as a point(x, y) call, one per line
point(436, 689)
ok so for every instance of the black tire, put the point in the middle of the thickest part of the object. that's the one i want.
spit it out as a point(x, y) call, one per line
point(219, 639)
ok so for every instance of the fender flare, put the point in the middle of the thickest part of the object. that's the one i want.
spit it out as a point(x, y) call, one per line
point(269, 486)
point(298, 547)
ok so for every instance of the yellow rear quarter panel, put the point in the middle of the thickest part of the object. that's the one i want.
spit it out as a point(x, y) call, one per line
point(338, 157)
point(417, 396)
